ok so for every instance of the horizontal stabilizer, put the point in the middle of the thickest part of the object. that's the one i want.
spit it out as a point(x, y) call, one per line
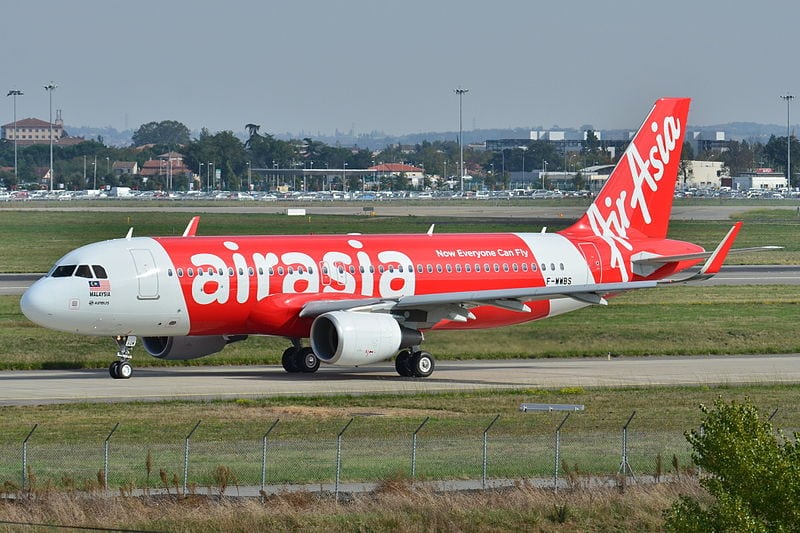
point(664, 259)
point(715, 260)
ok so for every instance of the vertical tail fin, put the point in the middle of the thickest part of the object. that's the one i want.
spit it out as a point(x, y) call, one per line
point(638, 194)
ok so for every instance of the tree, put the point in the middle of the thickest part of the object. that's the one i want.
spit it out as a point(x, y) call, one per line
point(752, 474)
point(739, 157)
point(775, 152)
point(591, 144)
point(167, 132)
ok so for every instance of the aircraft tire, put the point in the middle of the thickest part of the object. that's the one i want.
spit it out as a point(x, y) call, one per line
point(124, 369)
point(113, 370)
point(307, 360)
point(290, 361)
point(422, 364)
point(402, 363)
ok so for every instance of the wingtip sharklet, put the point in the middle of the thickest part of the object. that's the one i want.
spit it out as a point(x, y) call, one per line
point(191, 227)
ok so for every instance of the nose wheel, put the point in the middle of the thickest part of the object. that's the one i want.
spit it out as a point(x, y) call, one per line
point(120, 370)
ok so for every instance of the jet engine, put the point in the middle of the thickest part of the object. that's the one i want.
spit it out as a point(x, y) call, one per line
point(353, 339)
point(184, 348)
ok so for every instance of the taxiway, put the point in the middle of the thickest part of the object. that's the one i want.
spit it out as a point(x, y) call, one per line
point(207, 383)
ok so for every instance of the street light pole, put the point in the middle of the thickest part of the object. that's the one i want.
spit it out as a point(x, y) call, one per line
point(461, 92)
point(249, 177)
point(14, 93)
point(788, 97)
point(50, 87)
point(544, 173)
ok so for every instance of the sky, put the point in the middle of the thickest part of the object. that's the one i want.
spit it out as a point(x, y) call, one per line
point(319, 66)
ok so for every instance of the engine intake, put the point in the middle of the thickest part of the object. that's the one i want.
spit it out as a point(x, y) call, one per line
point(353, 339)
point(185, 348)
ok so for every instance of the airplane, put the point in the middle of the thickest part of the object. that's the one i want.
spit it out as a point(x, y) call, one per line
point(363, 299)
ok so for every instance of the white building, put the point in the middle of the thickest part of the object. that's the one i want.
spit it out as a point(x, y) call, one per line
point(762, 179)
point(701, 175)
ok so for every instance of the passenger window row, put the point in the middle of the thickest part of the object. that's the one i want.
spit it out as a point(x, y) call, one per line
point(458, 268)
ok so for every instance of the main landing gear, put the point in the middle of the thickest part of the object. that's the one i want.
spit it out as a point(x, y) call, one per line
point(298, 359)
point(414, 364)
point(411, 363)
point(122, 369)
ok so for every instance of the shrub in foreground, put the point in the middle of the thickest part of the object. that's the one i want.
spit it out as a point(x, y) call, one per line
point(752, 474)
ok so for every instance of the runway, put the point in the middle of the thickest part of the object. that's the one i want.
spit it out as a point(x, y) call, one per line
point(207, 383)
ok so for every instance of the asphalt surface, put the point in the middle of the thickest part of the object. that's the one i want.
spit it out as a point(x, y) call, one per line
point(206, 383)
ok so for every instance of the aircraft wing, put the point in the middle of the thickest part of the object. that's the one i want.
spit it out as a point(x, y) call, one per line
point(455, 305)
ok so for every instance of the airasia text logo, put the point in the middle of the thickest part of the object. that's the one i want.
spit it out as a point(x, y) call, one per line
point(645, 172)
point(350, 272)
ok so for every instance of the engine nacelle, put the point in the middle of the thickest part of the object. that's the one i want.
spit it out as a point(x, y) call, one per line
point(353, 339)
point(184, 348)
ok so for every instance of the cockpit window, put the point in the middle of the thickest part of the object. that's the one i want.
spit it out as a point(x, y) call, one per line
point(80, 271)
point(83, 271)
point(99, 272)
point(63, 271)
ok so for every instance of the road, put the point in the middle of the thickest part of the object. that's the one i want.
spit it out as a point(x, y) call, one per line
point(479, 209)
point(205, 383)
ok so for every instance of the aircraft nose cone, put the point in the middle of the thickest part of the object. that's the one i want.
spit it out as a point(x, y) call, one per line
point(37, 304)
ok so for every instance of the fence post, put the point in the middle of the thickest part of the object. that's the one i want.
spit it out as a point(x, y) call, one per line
point(486, 449)
point(558, 452)
point(264, 457)
point(25, 456)
point(105, 456)
point(414, 448)
point(624, 466)
point(339, 457)
point(186, 458)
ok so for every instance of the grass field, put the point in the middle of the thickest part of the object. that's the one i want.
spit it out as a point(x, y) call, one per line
point(33, 240)
point(663, 321)
point(66, 452)
point(394, 507)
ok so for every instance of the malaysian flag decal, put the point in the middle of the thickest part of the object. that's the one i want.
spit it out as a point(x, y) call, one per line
point(99, 285)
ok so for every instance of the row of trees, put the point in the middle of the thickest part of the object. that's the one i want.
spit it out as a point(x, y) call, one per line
point(86, 164)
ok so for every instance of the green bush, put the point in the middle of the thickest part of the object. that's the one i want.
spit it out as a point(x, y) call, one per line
point(752, 474)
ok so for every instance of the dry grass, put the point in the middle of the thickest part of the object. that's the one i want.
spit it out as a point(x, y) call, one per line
point(396, 506)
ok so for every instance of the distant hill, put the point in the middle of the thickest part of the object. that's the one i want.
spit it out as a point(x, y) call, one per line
point(736, 131)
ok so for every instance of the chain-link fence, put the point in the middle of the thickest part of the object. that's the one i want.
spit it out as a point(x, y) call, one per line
point(344, 454)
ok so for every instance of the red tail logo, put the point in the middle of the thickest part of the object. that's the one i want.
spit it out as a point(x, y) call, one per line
point(637, 198)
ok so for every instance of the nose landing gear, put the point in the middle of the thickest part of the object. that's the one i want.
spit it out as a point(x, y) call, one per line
point(122, 369)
